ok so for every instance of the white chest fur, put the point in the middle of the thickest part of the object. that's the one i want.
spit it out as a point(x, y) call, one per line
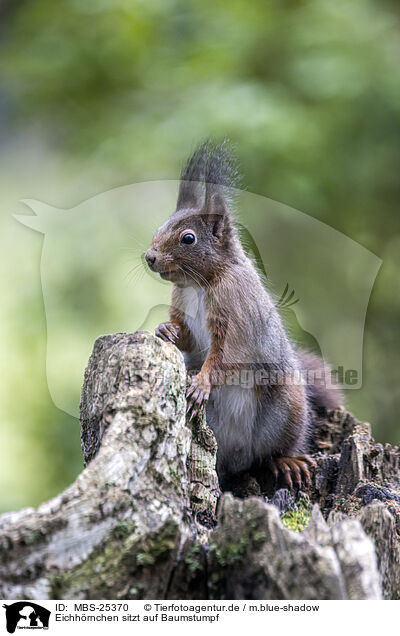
point(232, 410)
point(194, 308)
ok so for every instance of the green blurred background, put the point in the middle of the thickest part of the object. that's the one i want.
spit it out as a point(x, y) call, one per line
point(96, 94)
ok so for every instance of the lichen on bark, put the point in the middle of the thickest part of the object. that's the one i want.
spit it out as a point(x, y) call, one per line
point(145, 519)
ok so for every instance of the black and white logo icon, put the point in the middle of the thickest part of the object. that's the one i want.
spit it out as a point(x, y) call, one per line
point(26, 615)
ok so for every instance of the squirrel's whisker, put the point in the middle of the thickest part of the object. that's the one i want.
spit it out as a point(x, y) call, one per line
point(196, 273)
point(135, 269)
point(141, 245)
point(188, 274)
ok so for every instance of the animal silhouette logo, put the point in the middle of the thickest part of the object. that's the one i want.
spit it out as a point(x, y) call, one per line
point(26, 615)
point(94, 281)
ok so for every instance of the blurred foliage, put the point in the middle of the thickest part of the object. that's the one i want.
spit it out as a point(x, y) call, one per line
point(99, 93)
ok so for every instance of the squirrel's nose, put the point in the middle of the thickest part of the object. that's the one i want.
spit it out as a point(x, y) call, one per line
point(150, 258)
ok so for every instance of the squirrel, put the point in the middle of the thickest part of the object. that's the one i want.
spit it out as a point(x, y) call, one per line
point(226, 324)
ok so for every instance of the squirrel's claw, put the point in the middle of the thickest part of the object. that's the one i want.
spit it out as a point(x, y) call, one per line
point(294, 469)
point(197, 397)
point(168, 332)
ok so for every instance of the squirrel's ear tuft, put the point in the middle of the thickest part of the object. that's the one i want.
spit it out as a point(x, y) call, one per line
point(218, 225)
point(217, 215)
point(211, 168)
point(191, 189)
point(217, 204)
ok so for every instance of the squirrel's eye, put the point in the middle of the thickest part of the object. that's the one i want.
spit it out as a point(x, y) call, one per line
point(188, 238)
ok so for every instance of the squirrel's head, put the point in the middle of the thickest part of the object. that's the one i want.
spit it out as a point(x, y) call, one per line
point(199, 239)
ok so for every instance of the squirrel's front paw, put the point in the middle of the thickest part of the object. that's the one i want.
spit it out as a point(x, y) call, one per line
point(197, 395)
point(168, 332)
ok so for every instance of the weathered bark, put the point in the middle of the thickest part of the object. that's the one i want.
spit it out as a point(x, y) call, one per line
point(253, 556)
point(127, 370)
point(140, 521)
point(126, 511)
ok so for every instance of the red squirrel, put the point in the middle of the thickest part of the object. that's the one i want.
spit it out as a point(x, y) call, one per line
point(225, 322)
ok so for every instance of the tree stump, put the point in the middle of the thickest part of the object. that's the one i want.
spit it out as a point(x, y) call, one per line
point(140, 521)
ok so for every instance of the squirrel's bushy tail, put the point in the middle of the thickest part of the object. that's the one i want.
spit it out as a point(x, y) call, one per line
point(319, 391)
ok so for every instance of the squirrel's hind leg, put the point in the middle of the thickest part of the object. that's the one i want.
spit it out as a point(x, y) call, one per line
point(294, 469)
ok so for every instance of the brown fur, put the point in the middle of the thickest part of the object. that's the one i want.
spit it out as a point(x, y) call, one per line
point(223, 319)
